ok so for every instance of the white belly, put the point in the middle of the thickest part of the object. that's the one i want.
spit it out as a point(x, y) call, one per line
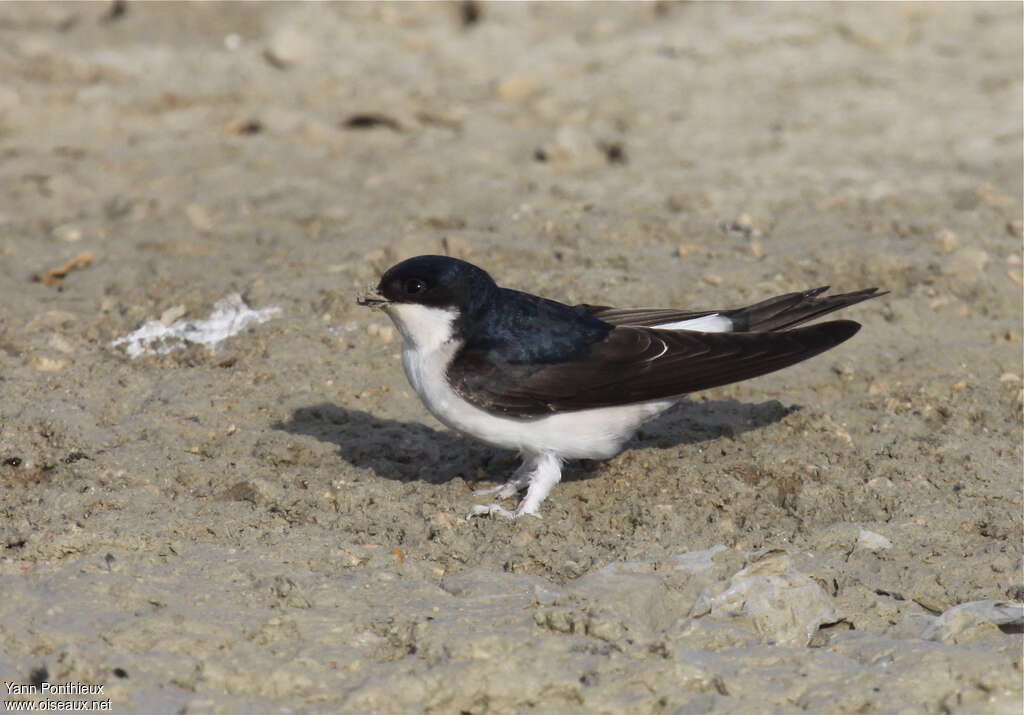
point(584, 434)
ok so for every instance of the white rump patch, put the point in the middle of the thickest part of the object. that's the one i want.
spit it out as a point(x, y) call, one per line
point(230, 316)
point(707, 324)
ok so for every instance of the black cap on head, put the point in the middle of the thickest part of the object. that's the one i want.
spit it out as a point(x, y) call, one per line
point(439, 282)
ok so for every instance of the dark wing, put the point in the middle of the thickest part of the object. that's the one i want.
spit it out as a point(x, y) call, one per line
point(792, 309)
point(779, 313)
point(636, 365)
point(642, 317)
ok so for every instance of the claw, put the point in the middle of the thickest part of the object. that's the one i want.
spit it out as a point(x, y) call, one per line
point(502, 491)
point(537, 474)
point(498, 510)
point(490, 510)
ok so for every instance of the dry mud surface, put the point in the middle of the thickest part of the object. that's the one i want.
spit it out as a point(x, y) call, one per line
point(275, 523)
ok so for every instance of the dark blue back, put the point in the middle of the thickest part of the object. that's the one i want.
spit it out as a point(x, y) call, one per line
point(517, 327)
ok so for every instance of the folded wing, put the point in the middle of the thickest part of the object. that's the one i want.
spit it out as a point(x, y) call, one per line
point(778, 313)
point(636, 365)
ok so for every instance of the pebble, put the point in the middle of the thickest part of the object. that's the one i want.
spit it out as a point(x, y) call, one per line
point(199, 217)
point(172, 314)
point(386, 333)
point(1015, 228)
point(785, 606)
point(256, 491)
point(60, 344)
point(51, 318)
point(742, 224)
point(68, 232)
point(963, 623)
point(517, 87)
point(44, 363)
point(288, 47)
point(946, 240)
point(870, 541)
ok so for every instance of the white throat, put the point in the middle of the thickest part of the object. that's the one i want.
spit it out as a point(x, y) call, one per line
point(424, 329)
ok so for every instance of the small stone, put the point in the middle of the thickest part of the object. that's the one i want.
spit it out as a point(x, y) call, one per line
point(757, 248)
point(947, 240)
point(930, 603)
point(742, 225)
point(51, 319)
point(1009, 377)
point(991, 196)
point(685, 249)
point(254, 491)
point(877, 388)
point(870, 541)
point(288, 47)
point(172, 314)
point(975, 621)
point(248, 125)
point(199, 217)
point(712, 279)
point(44, 363)
point(517, 87)
point(68, 232)
point(1015, 228)
point(60, 344)
point(784, 606)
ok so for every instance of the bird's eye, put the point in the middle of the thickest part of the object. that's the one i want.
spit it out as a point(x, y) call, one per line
point(414, 286)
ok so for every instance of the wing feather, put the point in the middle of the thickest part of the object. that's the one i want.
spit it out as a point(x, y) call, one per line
point(636, 365)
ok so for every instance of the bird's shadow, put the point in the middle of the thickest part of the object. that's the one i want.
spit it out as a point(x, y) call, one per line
point(408, 451)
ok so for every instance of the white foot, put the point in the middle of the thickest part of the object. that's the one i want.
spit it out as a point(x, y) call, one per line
point(541, 472)
point(502, 491)
point(519, 480)
point(498, 510)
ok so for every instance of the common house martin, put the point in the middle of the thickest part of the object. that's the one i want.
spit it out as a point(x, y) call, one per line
point(557, 382)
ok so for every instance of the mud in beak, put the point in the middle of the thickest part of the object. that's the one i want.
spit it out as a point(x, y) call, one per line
point(372, 299)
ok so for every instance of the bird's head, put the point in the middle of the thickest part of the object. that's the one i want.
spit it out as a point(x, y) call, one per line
point(431, 289)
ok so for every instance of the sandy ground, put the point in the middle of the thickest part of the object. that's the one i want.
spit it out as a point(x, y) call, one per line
point(275, 524)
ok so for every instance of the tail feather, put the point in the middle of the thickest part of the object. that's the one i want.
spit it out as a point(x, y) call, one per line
point(792, 309)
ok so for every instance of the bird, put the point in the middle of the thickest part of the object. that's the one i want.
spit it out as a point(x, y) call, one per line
point(557, 382)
